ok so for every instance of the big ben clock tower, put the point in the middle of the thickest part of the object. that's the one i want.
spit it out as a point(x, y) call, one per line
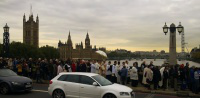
point(87, 42)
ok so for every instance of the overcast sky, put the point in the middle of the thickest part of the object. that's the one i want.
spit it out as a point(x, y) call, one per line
point(134, 25)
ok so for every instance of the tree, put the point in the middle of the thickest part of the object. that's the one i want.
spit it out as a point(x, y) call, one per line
point(196, 56)
point(49, 52)
point(21, 50)
point(1, 49)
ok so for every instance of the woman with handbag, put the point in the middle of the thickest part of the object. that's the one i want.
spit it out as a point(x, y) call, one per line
point(148, 77)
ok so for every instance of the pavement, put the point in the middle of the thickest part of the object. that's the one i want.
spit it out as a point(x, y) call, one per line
point(170, 91)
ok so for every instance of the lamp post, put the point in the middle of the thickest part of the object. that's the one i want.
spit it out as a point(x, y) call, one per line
point(6, 41)
point(172, 41)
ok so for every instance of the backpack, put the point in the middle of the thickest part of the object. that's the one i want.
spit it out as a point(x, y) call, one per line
point(110, 68)
point(66, 68)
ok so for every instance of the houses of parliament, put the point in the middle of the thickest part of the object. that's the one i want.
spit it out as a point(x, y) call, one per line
point(79, 52)
point(31, 30)
point(66, 50)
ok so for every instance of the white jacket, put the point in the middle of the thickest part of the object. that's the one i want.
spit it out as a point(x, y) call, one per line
point(133, 74)
point(60, 69)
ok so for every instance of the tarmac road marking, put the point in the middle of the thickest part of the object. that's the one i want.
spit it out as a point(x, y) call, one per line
point(150, 96)
point(147, 96)
point(39, 91)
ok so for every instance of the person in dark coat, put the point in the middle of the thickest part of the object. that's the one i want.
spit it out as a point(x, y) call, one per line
point(140, 71)
point(192, 79)
point(83, 66)
point(78, 67)
point(196, 81)
point(124, 73)
point(182, 77)
point(171, 73)
point(151, 65)
point(88, 66)
point(1, 63)
point(165, 78)
point(187, 76)
point(175, 76)
point(156, 77)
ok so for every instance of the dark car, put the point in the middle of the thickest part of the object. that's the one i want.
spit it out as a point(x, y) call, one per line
point(11, 82)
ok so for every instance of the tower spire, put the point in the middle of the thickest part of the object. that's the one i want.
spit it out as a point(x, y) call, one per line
point(31, 13)
point(69, 36)
point(87, 36)
point(37, 18)
point(69, 41)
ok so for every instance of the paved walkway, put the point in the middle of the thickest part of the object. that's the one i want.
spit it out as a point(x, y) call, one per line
point(169, 91)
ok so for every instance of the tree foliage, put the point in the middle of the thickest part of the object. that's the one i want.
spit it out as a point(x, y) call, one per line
point(196, 56)
point(49, 52)
point(21, 50)
point(117, 56)
point(1, 48)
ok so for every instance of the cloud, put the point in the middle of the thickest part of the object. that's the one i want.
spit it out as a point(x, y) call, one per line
point(130, 24)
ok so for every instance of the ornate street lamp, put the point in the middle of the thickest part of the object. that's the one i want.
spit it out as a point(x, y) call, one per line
point(172, 43)
point(165, 29)
point(172, 29)
point(180, 28)
point(6, 41)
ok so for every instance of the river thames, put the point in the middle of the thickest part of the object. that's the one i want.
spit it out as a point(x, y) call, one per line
point(158, 62)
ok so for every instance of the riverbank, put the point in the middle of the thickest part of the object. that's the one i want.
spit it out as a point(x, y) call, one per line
point(158, 62)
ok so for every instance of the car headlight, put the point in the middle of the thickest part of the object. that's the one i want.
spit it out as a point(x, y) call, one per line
point(15, 83)
point(133, 94)
point(124, 94)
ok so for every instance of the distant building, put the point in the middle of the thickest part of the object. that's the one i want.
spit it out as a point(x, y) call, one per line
point(122, 51)
point(79, 52)
point(31, 31)
point(102, 49)
point(162, 51)
point(194, 51)
point(152, 54)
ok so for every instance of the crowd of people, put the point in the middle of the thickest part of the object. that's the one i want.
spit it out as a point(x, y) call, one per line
point(148, 75)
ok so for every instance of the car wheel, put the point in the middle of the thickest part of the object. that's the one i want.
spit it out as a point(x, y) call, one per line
point(4, 88)
point(58, 94)
point(109, 96)
point(28, 91)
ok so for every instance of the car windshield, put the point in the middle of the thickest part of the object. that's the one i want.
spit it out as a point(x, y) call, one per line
point(7, 72)
point(101, 80)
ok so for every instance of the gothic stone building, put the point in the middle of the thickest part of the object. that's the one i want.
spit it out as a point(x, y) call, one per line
point(31, 31)
point(67, 51)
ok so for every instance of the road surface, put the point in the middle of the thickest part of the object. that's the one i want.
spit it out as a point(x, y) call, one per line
point(40, 91)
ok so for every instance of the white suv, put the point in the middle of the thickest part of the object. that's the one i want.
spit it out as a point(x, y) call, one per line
point(86, 85)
